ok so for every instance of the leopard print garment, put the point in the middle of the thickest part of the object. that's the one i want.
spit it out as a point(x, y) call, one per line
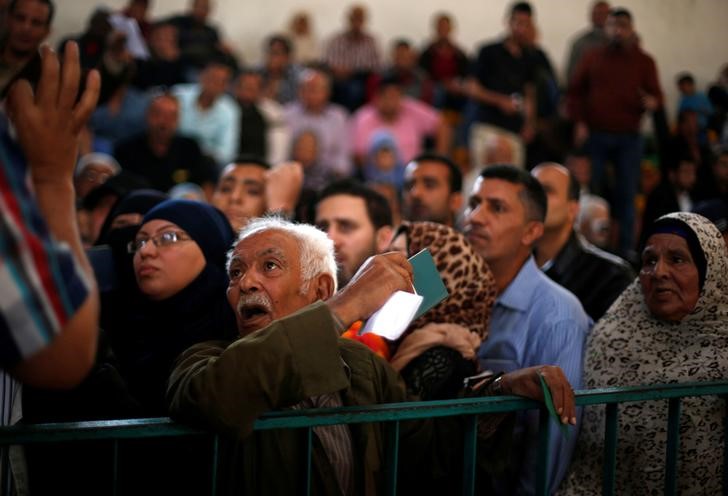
point(629, 347)
point(466, 275)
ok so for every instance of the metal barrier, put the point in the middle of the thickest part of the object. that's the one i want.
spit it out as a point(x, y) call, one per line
point(119, 430)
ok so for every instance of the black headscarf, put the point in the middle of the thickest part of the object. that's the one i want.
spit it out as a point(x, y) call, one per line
point(148, 335)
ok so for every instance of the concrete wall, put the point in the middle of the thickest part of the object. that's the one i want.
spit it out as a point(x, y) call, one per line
point(680, 34)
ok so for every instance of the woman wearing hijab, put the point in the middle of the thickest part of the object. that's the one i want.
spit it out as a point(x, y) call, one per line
point(179, 298)
point(670, 325)
point(439, 348)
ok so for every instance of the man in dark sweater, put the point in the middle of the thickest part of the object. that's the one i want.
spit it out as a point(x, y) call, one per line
point(609, 91)
point(596, 277)
point(161, 156)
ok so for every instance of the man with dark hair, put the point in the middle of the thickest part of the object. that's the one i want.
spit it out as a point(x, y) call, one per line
point(408, 120)
point(534, 320)
point(280, 76)
point(502, 84)
point(27, 24)
point(358, 220)
point(249, 188)
point(432, 189)
point(610, 90)
point(596, 277)
point(160, 155)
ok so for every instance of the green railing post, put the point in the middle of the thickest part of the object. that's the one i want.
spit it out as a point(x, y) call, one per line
point(542, 467)
point(392, 459)
point(215, 458)
point(470, 444)
point(115, 467)
point(611, 429)
point(308, 439)
point(673, 446)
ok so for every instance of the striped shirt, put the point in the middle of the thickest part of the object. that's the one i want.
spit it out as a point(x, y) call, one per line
point(354, 53)
point(41, 286)
point(536, 322)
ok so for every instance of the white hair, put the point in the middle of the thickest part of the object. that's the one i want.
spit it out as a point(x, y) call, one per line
point(316, 249)
point(587, 204)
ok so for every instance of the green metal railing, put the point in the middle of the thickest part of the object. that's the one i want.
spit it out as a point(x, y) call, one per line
point(119, 430)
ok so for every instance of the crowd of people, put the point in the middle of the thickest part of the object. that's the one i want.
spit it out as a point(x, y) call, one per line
point(187, 235)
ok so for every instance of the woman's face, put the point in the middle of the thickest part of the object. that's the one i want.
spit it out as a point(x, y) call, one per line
point(669, 277)
point(165, 267)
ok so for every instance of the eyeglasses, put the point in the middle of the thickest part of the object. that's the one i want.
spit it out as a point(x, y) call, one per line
point(160, 240)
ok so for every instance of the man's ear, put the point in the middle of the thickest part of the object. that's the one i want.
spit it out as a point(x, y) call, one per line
point(322, 287)
point(456, 202)
point(534, 231)
point(383, 237)
point(573, 211)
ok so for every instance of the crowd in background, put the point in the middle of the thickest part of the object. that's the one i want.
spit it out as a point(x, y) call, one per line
point(538, 203)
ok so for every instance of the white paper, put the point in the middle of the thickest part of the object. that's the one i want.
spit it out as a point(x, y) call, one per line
point(395, 316)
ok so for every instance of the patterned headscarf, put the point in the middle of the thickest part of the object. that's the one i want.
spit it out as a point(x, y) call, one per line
point(467, 277)
point(630, 347)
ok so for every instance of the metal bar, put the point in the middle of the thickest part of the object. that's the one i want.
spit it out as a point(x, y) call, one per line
point(542, 464)
point(215, 459)
point(309, 461)
point(673, 446)
point(115, 467)
point(392, 460)
point(611, 430)
point(470, 445)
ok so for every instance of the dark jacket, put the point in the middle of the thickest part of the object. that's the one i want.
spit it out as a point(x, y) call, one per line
point(596, 277)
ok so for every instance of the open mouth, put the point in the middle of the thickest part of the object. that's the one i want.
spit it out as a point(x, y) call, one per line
point(254, 312)
point(251, 312)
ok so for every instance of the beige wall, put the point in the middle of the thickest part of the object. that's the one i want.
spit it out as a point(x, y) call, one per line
point(680, 34)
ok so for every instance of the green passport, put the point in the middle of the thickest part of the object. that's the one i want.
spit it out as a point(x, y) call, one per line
point(428, 282)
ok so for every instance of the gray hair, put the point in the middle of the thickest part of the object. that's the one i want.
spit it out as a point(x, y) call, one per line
point(587, 203)
point(317, 250)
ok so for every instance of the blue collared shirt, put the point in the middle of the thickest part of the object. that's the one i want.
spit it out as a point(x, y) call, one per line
point(536, 322)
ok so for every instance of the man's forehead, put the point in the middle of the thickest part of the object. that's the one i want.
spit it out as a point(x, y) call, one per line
point(244, 171)
point(495, 188)
point(429, 168)
point(264, 243)
point(342, 207)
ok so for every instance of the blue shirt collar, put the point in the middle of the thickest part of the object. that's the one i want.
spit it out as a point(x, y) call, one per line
point(518, 293)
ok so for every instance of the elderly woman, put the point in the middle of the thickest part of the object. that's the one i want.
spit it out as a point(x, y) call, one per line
point(670, 325)
point(179, 297)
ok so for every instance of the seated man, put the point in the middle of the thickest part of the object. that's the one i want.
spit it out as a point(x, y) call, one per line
point(290, 356)
point(432, 190)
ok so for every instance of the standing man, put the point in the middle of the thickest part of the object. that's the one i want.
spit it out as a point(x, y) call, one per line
point(432, 190)
point(596, 277)
point(611, 89)
point(27, 24)
point(358, 220)
point(591, 38)
point(534, 320)
point(502, 85)
point(352, 56)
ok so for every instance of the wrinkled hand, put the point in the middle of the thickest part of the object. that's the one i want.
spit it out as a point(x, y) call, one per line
point(49, 121)
point(283, 186)
point(525, 382)
point(371, 287)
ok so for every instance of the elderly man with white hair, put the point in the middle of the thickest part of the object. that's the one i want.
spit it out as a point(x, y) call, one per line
point(290, 356)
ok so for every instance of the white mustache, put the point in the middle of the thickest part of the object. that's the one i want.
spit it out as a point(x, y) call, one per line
point(254, 299)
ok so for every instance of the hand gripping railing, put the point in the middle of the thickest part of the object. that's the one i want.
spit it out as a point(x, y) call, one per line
point(393, 414)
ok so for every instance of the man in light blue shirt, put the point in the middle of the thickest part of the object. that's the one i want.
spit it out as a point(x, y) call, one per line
point(209, 115)
point(534, 321)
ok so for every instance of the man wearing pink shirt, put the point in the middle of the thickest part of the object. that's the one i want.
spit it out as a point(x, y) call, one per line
point(408, 120)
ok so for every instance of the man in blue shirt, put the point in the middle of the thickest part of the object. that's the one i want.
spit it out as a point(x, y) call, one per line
point(534, 320)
